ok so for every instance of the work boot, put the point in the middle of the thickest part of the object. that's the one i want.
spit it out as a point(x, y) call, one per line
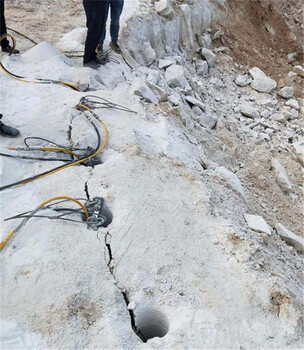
point(9, 49)
point(99, 49)
point(115, 46)
point(96, 61)
point(6, 130)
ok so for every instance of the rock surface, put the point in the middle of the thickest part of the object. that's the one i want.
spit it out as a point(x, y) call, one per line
point(175, 76)
point(209, 56)
point(249, 110)
point(290, 237)
point(281, 174)
point(257, 223)
point(286, 92)
point(261, 82)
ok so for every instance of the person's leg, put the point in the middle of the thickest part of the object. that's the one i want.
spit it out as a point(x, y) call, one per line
point(116, 10)
point(95, 13)
point(4, 42)
point(104, 24)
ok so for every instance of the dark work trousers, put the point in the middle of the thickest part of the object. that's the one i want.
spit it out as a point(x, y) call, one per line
point(4, 42)
point(116, 10)
point(96, 16)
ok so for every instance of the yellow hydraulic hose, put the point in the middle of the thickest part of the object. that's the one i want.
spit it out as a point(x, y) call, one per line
point(10, 235)
point(68, 198)
point(100, 149)
point(42, 81)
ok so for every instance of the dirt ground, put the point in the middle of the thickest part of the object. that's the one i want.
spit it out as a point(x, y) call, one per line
point(263, 32)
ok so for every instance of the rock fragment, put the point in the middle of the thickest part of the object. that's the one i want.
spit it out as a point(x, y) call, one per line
point(290, 237)
point(209, 56)
point(293, 104)
point(261, 82)
point(163, 64)
point(298, 148)
point(205, 41)
point(208, 121)
point(202, 67)
point(242, 80)
point(175, 77)
point(140, 88)
point(249, 110)
point(282, 177)
point(230, 178)
point(164, 8)
point(277, 117)
point(257, 223)
point(299, 70)
point(195, 102)
point(286, 92)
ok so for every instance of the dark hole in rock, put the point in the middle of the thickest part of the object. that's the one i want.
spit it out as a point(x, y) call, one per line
point(151, 323)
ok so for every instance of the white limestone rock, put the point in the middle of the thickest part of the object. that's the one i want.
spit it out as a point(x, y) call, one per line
point(287, 114)
point(242, 80)
point(231, 179)
point(290, 237)
point(208, 121)
point(277, 117)
point(281, 174)
point(209, 56)
point(205, 41)
point(163, 64)
point(161, 94)
point(299, 70)
point(249, 110)
point(195, 102)
point(218, 34)
point(202, 67)
point(164, 8)
point(292, 103)
point(257, 223)
point(197, 110)
point(148, 53)
point(175, 76)
point(140, 88)
point(286, 92)
point(261, 82)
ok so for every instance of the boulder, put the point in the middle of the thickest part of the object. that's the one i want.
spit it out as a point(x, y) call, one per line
point(205, 41)
point(202, 67)
point(195, 102)
point(261, 82)
point(230, 178)
point(164, 8)
point(277, 117)
point(299, 70)
point(208, 121)
point(175, 76)
point(293, 104)
point(257, 223)
point(290, 237)
point(158, 91)
point(249, 110)
point(242, 80)
point(286, 92)
point(163, 64)
point(209, 56)
point(140, 88)
point(281, 174)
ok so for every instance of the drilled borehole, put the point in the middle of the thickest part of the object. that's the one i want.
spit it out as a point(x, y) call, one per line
point(151, 323)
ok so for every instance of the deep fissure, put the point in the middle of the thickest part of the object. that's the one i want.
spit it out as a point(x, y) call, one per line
point(122, 290)
point(86, 190)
